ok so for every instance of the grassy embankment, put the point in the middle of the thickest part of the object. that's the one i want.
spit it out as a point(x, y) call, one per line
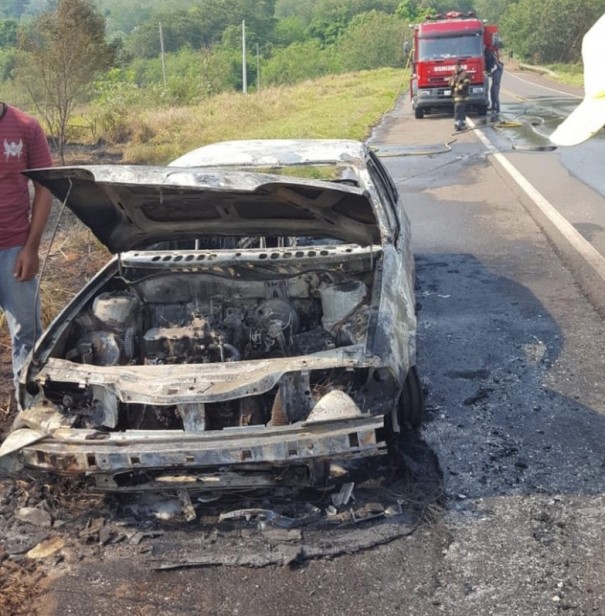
point(571, 74)
point(336, 106)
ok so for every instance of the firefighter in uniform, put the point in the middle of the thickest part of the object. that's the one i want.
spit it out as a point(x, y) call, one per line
point(496, 73)
point(460, 83)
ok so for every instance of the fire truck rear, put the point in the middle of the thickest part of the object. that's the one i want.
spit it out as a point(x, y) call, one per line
point(438, 42)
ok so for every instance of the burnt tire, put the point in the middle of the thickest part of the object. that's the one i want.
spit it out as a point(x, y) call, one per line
point(410, 406)
point(419, 113)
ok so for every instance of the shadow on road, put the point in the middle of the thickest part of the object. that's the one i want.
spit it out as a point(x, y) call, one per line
point(486, 347)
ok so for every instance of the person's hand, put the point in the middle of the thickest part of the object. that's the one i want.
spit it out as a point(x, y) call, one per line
point(26, 265)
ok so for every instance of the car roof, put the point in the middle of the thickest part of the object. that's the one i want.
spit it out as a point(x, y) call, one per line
point(276, 152)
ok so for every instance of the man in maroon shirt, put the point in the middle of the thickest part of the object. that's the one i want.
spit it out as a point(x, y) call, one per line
point(23, 145)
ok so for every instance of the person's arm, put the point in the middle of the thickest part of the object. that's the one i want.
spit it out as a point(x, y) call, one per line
point(27, 263)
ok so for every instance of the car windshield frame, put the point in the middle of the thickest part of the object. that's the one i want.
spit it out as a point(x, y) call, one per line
point(325, 172)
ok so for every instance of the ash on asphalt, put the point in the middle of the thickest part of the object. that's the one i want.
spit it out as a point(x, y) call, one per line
point(372, 502)
point(499, 427)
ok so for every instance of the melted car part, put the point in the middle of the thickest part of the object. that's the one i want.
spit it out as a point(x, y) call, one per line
point(265, 450)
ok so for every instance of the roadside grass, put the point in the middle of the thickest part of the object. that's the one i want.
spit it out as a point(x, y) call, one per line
point(570, 74)
point(70, 262)
point(336, 106)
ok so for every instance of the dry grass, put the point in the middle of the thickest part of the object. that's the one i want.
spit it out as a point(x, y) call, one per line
point(6, 408)
point(338, 106)
point(18, 582)
point(69, 263)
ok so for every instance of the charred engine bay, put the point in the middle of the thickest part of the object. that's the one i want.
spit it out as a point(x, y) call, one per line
point(169, 309)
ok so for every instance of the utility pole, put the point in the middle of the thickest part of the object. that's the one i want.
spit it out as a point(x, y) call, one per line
point(257, 69)
point(244, 78)
point(162, 55)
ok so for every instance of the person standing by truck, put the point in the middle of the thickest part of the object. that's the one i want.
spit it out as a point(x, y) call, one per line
point(496, 74)
point(438, 41)
point(460, 83)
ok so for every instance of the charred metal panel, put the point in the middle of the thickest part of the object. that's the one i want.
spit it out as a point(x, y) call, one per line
point(207, 383)
point(77, 451)
point(274, 153)
point(133, 206)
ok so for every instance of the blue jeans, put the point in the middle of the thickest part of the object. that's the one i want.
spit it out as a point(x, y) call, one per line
point(495, 90)
point(21, 307)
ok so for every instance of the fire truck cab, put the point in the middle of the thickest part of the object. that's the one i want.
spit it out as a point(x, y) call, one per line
point(439, 42)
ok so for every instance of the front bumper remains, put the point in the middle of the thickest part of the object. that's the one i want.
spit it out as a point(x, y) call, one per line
point(229, 458)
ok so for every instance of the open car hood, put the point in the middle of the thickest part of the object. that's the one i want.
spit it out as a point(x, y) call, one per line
point(132, 207)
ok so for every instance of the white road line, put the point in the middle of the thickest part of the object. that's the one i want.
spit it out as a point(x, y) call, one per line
point(539, 85)
point(569, 232)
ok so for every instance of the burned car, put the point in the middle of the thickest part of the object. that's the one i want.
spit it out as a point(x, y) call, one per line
point(255, 324)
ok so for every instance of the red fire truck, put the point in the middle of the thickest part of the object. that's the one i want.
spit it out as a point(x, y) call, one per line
point(438, 42)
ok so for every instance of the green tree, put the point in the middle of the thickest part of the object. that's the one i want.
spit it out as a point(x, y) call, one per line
point(198, 27)
point(289, 30)
point(8, 61)
point(35, 7)
point(300, 61)
point(302, 9)
point(13, 8)
point(372, 40)
point(182, 28)
point(326, 30)
point(331, 10)
point(116, 94)
point(491, 10)
point(63, 51)
point(417, 10)
point(8, 33)
point(258, 14)
point(550, 31)
point(410, 10)
point(191, 75)
point(126, 15)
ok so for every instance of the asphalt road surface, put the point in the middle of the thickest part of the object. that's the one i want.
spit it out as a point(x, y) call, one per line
point(510, 351)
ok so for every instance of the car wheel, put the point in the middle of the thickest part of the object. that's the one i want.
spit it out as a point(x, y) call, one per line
point(410, 407)
point(482, 110)
point(419, 113)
